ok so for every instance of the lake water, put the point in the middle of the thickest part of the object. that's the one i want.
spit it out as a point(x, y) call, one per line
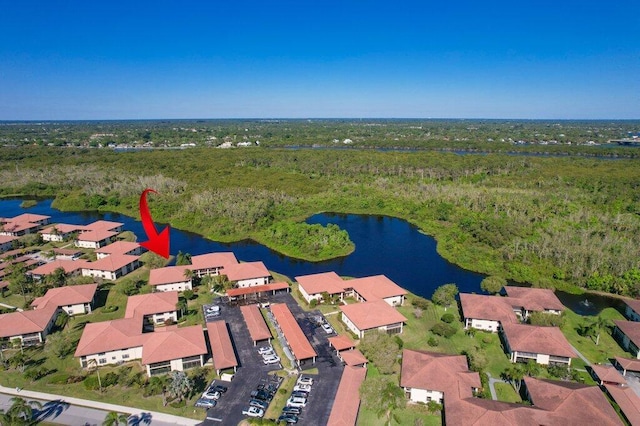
point(384, 245)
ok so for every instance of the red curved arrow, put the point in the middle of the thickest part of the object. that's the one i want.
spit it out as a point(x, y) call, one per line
point(158, 243)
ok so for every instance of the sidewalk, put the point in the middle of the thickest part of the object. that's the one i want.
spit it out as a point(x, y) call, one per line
point(166, 419)
point(10, 307)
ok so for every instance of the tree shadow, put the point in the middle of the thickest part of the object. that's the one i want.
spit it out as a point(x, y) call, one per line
point(139, 419)
point(50, 410)
point(100, 299)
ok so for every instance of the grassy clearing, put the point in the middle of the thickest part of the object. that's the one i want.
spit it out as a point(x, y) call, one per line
point(607, 347)
point(506, 393)
point(407, 416)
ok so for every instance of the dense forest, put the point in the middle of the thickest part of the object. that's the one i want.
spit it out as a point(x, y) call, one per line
point(557, 220)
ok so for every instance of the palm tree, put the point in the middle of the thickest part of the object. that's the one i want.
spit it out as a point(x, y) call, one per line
point(95, 363)
point(115, 419)
point(514, 374)
point(22, 409)
point(180, 385)
point(392, 398)
point(597, 326)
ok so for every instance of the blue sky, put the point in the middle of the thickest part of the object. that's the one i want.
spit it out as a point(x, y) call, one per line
point(299, 59)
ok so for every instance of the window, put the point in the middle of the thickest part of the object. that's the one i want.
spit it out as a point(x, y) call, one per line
point(125, 356)
point(102, 361)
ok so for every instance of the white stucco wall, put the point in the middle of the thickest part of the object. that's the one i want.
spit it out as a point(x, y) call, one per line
point(180, 286)
point(479, 324)
point(423, 395)
point(252, 282)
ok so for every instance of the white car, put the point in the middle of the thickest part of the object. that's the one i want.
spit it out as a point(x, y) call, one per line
point(302, 380)
point(213, 310)
point(253, 412)
point(268, 353)
point(327, 328)
point(301, 387)
point(211, 395)
point(272, 359)
point(265, 350)
point(296, 402)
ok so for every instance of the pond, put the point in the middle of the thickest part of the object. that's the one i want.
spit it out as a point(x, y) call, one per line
point(384, 245)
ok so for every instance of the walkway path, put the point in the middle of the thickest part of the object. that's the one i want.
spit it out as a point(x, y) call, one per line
point(582, 357)
point(492, 388)
point(61, 406)
point(10, 307)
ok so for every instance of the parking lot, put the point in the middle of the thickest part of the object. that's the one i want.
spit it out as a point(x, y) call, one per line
point(252, 371)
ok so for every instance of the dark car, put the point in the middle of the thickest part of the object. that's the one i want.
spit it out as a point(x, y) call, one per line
point(291, 410)
point(258, 403)
point(261, 395)
point(288, 418)
point(301, 394)
point(218, 388)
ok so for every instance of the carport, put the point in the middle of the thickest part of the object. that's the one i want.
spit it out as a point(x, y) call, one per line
point(297, 341)
point(258, 329)
point(221, 348)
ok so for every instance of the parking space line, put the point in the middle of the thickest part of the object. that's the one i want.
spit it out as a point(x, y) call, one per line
point(215, 419)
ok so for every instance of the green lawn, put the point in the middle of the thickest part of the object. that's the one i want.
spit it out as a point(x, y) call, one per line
point(607, 347)
point(407, 416)
point(506, 393)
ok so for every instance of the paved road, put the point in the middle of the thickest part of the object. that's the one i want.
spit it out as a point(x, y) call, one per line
point(77, 412)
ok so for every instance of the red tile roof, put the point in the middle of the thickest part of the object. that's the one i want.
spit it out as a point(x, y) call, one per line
point(444, 373)
point(7, 238)
point(111, 263)
point(103, 225)
point(119, 247)
point(18, 323)
point(535, 339)
point(168, 275)
point(152, 303)
point(575, 403)
point(633, 304)
point(353, 357)
point(235, 292)
point(368, 315)
point(30, 217)
point(111, 335)
point(68, 295)
point(318, 283)
point(485, 412)
point(19, 226)
point(62, 228)
point(375, 287)
point(298, 342)
point(493, 308)
point(628, 364)
point(96, 236)
point(221, 347)
point(608, 374)
point(533, 299)
point(170, 343)
point(69, 267)
point(344, 411)
point(341, 342)
point(255, 323)
point(213, 260)
point(246, 271)
point(627, 400)
point(631, 329)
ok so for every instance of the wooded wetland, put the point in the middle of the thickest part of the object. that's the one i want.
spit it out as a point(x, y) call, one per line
point(513, 199)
